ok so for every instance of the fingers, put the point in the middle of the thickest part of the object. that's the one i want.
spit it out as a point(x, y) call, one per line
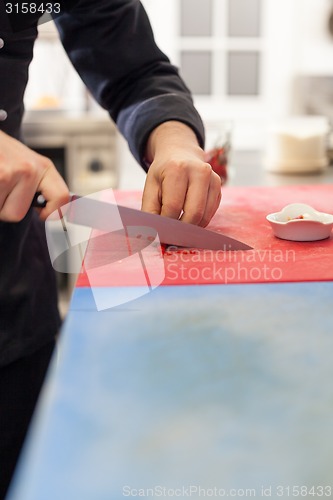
point(54, 190)
point(151, 198)
point(17, 190)
point(17, 203)
point(213, 199)
point(197, 195)
point(22, 173)
point(174, 189)
point(189, 192)
point(165, 195)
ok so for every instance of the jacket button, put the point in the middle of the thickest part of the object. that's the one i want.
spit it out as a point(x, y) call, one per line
point(3, 115)
point(2, 43)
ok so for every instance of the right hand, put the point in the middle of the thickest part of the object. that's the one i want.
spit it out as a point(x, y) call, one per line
point(22, 173)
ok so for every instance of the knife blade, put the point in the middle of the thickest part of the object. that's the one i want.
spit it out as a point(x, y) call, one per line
point(100, 215)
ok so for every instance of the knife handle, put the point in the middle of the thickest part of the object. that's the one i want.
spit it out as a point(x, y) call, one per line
point(38, 200)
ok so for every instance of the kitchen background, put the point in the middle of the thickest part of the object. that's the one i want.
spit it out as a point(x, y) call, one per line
point(248, 63)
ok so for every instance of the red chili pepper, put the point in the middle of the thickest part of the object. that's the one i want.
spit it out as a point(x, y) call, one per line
point(218, 160)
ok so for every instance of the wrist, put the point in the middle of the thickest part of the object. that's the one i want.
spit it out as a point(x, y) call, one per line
point(171, 134)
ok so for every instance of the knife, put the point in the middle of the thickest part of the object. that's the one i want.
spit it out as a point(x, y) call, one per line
point(101, 215)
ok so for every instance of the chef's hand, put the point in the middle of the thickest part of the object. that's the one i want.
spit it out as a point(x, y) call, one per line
point(22, 173)
point(180, 184)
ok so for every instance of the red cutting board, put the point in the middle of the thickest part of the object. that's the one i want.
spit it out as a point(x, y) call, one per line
point(242, 215)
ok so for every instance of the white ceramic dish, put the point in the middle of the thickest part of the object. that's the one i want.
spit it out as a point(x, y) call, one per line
point(312, 226)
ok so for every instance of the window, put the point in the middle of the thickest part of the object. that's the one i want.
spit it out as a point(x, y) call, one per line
point(220, 47)
point(196, 17)
point(244, 18)
point(243, 73)
point(200, 81)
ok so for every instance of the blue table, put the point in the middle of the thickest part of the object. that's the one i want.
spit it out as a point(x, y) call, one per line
point(227, 388)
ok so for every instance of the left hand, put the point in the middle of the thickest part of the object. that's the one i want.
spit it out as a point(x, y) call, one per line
point(180, 184)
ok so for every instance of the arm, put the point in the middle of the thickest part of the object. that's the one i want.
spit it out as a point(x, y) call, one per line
point(112, 47)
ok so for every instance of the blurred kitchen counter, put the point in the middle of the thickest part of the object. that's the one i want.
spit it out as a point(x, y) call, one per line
point(67, 121)
point(82, 145)
point(246, 169)
point(90, 136)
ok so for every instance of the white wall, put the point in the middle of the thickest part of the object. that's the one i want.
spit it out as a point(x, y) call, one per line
point(313, 45)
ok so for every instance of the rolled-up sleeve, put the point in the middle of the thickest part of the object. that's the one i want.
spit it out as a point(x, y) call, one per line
point(111, 45)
